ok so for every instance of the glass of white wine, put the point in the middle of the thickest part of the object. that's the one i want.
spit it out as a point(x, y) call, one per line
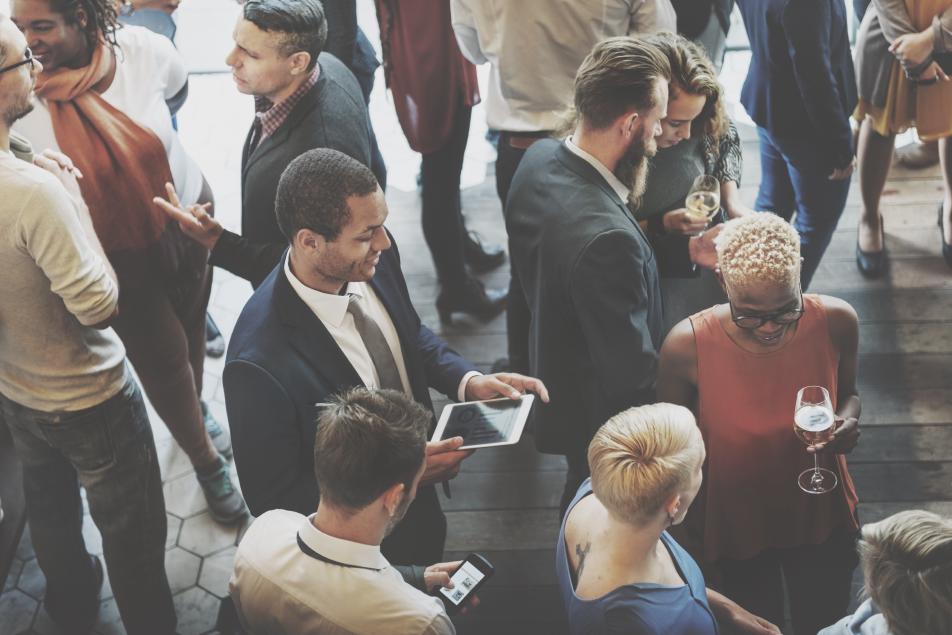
point(704, 199)
point(814, 422)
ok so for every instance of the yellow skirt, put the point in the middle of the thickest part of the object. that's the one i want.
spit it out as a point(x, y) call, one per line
point(928, 109)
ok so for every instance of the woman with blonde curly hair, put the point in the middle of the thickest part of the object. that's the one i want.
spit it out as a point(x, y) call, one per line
point(907, 569)
point(739, 366)
point(619, 569)
point(697, 138)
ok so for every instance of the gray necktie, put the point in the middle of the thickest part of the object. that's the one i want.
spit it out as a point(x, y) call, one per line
point(376, 343)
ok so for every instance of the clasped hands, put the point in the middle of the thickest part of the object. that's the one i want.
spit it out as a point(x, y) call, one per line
point(443, 458)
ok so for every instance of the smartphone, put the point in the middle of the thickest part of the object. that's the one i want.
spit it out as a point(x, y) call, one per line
point(466, 580)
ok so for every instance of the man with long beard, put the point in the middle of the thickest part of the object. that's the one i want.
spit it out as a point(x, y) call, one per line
point(588, 270)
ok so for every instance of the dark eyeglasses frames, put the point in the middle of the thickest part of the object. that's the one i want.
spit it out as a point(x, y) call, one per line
point(28, 59)
point(750, 322)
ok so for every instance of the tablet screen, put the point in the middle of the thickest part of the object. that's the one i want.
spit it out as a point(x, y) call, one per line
point(483, 421)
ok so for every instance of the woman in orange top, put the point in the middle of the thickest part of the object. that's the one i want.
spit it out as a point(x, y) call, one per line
point(739, 366)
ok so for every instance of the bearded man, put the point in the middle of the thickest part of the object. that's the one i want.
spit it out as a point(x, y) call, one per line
point(588, 271)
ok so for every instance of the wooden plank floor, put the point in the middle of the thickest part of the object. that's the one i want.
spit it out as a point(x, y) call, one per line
point(505, 501)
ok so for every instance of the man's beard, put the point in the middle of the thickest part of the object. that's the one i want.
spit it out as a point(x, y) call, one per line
point(632, 170)
point(17, 111)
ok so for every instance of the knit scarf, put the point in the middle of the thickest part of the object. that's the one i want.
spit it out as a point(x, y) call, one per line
point(124, 165)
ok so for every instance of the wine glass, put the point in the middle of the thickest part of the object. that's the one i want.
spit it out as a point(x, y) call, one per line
point(704, 199)
point(813, 422)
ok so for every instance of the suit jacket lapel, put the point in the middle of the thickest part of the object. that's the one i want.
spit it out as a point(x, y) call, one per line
point(311, 338)
point(581, 167)
point(387, 289)
point(281, 135)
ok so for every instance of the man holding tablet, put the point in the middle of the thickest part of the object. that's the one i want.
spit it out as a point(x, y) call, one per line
point(333, 315)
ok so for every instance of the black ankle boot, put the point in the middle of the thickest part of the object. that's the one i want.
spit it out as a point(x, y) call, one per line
point(470, 297)
point(482, 257)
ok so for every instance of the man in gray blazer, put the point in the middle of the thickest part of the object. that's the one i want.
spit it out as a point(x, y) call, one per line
point(304, 99)
point(590, 274)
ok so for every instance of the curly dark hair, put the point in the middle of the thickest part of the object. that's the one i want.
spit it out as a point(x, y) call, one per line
point(102, 18)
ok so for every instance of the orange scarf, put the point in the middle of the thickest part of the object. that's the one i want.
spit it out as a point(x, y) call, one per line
point(124, 165)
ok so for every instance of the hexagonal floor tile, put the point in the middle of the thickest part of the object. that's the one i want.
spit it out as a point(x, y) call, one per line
point(183, 496)
point(109, 622)
point(16, 566)
point(203, 536)
point(216, 571)
point(181, 568)
point(173, 462)
point(16, 611)
point(197, 611)
point(91, 536)
point(31, 580)
point(174, 527)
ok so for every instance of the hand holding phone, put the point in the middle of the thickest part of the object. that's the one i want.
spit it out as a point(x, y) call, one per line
point(466, 580)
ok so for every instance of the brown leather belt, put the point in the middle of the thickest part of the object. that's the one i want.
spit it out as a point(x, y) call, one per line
point(522, 140)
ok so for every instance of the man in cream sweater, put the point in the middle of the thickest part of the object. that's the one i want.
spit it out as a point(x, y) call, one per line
point(75, 413)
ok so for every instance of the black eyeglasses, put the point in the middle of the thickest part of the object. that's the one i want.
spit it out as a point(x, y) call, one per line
point(28, 59)
point(784, 317)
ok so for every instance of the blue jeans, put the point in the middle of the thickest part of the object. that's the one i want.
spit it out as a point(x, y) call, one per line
point(791, 182)
point(109, 450)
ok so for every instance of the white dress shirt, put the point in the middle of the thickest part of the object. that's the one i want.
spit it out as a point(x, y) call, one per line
point(280, 589)
point(536, 46)
point(620, 188)
point(331, 310)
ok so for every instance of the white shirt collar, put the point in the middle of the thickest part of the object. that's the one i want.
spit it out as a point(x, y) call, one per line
point(330, 308)
point(620, 188)
point(339, 550)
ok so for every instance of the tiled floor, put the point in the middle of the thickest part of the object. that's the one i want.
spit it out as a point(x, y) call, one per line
point(504, 502)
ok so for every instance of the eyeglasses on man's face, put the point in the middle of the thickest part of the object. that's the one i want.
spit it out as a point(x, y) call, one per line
point(781, 318)
point(27, 59)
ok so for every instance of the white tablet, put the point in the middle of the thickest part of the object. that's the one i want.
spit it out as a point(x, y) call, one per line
point(484, 424)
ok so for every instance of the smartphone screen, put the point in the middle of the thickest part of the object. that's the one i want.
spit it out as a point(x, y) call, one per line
point(464, 581)
point(483, 422)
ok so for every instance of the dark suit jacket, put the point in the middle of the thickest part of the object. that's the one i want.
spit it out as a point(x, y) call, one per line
point(591, 280)
point(331, 115)
point(282, 361)
point(801, 84)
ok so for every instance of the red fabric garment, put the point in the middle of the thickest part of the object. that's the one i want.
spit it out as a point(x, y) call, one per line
point(426, 72)
point(750, 500)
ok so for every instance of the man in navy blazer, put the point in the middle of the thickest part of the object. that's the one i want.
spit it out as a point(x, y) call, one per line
point(299, 340)
point(800, 90)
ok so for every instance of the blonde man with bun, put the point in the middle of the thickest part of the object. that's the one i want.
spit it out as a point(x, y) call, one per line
point(619, 569)
point(739, 365)
point(907, 569)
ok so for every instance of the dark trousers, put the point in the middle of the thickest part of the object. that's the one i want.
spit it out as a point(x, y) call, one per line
point(792, 182)
point(818, 580)
point(517, 308)
point(418, 538)
point(108, 449)
point(443, 226)
point(578, 471)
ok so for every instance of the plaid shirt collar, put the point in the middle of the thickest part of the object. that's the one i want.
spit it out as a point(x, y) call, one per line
point(272, 115)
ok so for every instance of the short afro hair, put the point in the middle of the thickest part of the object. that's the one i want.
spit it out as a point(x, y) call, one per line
point(313, 192)
point(759, 248)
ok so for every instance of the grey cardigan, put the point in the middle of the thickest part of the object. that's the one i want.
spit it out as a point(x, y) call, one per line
point(884, 22)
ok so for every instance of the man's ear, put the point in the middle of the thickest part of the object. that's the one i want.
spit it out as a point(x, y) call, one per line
point(393, 497)
point(630, 122)
point(308, 241)
point(299, 62)
point(720, 278)
point(82, 18)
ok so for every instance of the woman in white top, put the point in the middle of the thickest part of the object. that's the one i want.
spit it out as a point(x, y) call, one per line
point(101, 99)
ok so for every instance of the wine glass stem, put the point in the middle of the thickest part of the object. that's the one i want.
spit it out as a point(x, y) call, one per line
point(816, 465)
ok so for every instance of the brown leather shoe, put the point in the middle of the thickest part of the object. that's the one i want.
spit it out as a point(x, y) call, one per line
point(918, 155)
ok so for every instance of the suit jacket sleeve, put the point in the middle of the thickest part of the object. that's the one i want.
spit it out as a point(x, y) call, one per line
point(267, 441)
point(610, 293)
point(246, 259)
point(444, 367)
point(807, 26)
